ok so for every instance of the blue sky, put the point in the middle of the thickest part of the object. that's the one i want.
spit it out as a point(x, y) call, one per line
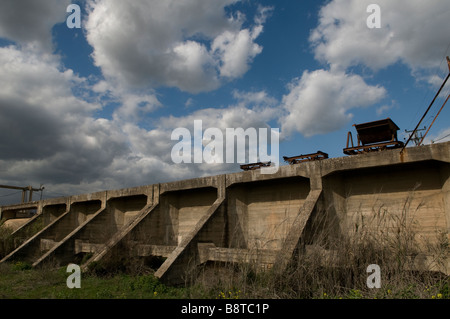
point(89, 109)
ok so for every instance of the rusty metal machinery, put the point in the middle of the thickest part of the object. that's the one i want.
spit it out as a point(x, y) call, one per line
point(319, 155)
point(374, 136)
point(253, 166)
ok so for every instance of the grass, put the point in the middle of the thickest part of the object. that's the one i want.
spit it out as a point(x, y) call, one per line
point(17, 281)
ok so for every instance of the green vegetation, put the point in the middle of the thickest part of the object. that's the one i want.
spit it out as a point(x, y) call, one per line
point(20, 281)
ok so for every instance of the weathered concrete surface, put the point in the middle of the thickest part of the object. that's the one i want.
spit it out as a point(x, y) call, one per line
point(245, 216)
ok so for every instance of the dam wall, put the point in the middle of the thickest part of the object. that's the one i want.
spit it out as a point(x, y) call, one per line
point(245, 216)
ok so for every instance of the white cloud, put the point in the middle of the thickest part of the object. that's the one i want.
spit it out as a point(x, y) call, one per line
point(257, 98)
point(29, 22)
point(38, 79)
point(235, 51)
point(153, 43)
point(48, 135)
point(233, 116)
point(384, 108)
point(157, 143)
point(440, 137)
point(319, 102)
point(134, 107)
point(414, 32)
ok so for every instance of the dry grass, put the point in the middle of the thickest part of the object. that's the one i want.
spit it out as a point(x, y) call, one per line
point(330, 264)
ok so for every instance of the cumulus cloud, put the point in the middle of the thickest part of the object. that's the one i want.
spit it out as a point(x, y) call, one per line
point(235, 51)
point(413, 32)
point(47, 133)
point(319, 102)
point(157, 143)
point(29, 22)
point(191, 45)
point(442, 136)
point(260, 98)
point(130, 105)
point(49, 124)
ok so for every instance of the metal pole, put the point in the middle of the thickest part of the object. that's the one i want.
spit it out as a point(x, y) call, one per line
point(13, 187)
point(30, 194)
point(423, 137)
point(429, 107)
point(24, 190)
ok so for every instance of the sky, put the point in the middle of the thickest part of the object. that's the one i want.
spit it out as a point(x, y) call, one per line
point(94, 108)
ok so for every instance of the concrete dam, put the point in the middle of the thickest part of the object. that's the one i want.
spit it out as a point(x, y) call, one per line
point(243, 217)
